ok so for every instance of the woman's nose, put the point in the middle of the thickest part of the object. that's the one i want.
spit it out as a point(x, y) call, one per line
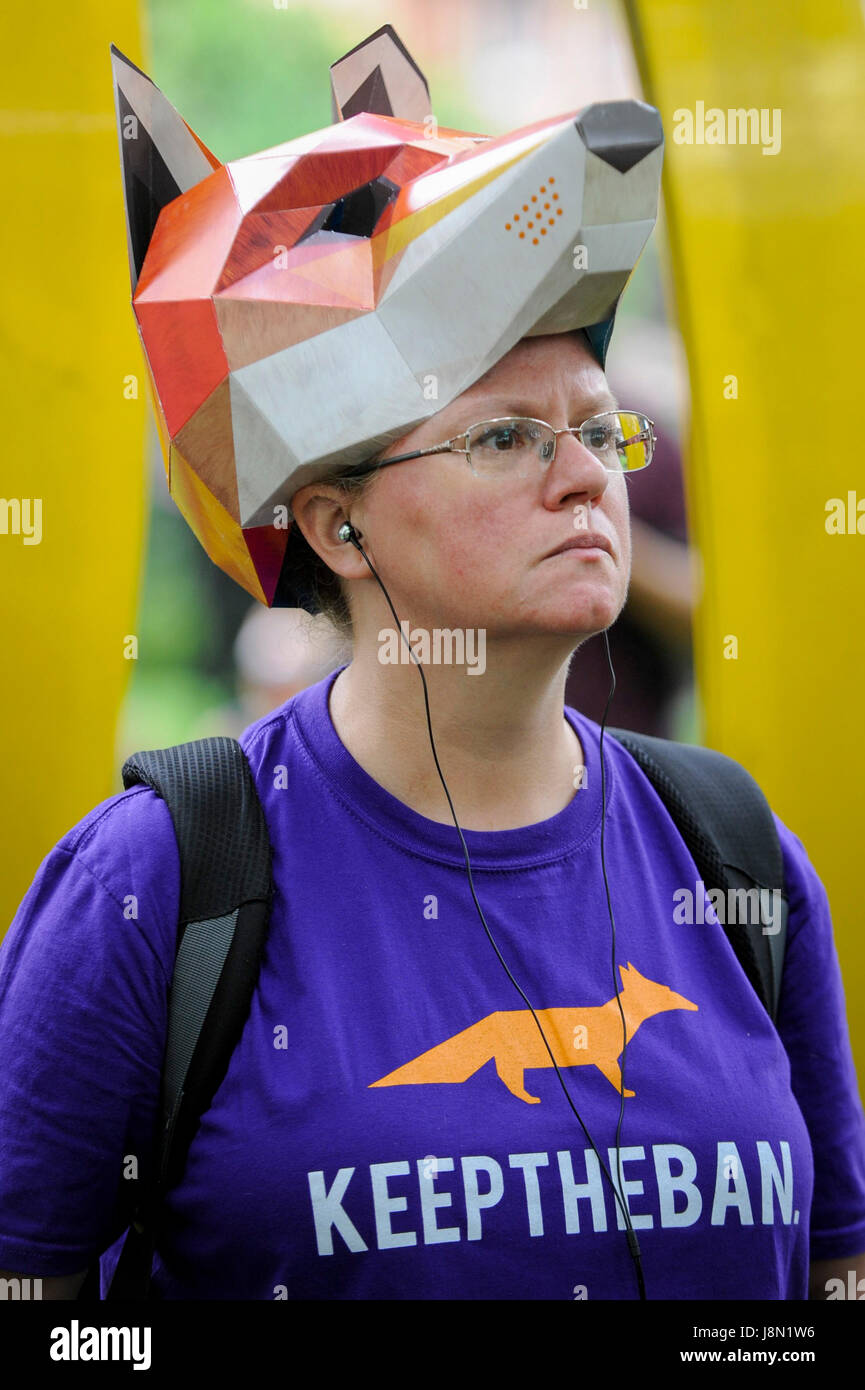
point(575, 468)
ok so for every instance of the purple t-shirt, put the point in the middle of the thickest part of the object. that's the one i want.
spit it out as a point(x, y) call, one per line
point(390, 1125)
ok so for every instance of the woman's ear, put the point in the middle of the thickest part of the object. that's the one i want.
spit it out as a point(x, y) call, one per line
point(319, 510)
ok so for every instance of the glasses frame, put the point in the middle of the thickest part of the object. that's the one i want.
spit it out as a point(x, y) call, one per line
point(449, 445)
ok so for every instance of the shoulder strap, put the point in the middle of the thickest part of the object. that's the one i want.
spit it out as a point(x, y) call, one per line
point(727, 825)
point(225, 896)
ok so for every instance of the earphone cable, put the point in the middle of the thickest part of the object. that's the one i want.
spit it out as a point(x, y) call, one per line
point(632, 1237)
point(633, 1244)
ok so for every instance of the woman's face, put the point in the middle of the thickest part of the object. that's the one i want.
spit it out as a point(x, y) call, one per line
point(455, 549)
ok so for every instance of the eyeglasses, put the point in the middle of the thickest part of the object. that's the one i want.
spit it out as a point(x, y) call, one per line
point(622, 440)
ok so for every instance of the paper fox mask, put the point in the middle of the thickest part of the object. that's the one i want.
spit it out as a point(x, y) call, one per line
point(302, 308)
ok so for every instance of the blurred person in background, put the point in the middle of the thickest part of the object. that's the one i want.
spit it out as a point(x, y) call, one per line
point(280, 651)
point(651, 641)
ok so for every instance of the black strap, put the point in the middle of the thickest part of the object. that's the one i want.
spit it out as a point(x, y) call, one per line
point(225, 896)
point(727, 825)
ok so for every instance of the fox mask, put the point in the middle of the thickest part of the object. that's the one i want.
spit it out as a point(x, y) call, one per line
point(302, 308)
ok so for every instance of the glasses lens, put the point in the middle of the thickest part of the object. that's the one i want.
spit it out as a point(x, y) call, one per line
point(621, 439)
point(512, 445)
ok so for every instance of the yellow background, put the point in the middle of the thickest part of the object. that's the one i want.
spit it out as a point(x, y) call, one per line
point(67, 341)
point(769, 288)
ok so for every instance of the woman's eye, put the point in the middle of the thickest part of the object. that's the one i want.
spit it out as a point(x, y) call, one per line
point(599, 437)
point(503, 439)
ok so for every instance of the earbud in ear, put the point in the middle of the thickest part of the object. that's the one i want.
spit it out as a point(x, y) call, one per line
point(347, 532)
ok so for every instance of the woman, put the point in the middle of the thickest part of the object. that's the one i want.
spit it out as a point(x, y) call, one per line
point(390, 1126)
point(335, 1176)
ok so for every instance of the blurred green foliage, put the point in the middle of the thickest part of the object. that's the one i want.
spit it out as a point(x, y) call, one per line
point(246, 75)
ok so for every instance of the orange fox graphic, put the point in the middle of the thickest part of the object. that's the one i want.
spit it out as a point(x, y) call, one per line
point(577, 1037)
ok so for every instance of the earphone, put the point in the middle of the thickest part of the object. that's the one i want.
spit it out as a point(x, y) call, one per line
point(347, 533)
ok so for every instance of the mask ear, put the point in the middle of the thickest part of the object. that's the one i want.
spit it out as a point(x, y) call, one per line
point(160, 157)
point(379, 76)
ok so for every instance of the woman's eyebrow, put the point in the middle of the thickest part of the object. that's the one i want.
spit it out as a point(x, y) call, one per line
point(519, 405)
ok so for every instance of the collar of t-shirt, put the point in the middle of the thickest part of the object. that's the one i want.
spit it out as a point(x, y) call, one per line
point(520, 847)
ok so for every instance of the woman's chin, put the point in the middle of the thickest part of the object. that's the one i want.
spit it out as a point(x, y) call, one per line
point(581, 616)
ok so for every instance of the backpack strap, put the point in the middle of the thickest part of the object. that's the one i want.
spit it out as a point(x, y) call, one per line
point(728, 827)
point(225, 898)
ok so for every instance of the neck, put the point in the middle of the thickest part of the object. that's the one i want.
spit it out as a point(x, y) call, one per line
point(506, 750)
